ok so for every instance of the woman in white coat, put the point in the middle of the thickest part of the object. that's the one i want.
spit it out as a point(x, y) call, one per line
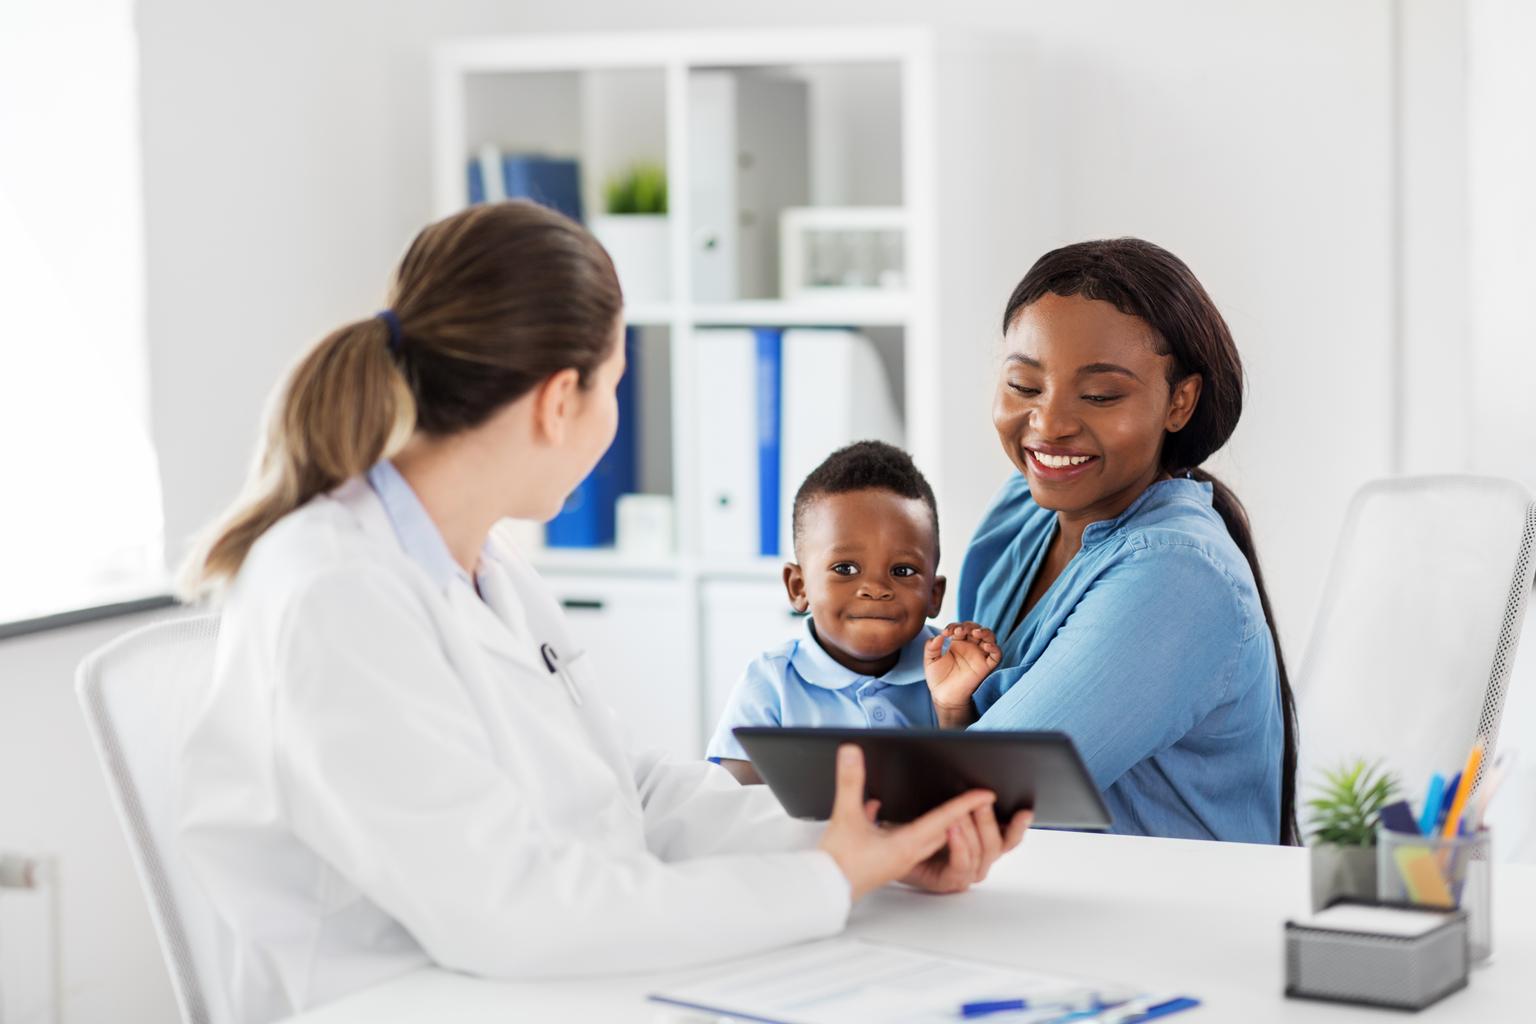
point(402, 758)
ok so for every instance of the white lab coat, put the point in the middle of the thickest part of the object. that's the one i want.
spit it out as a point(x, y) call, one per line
point(385, 773)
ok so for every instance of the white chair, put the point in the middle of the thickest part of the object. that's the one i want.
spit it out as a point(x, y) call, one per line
point(136, 692)
point(1513, 815)
point(1410, 658)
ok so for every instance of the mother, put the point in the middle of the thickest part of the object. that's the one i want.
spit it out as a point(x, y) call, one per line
point(1121, 578)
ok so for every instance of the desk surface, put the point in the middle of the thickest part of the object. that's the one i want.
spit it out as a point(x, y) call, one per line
point(1171, 915)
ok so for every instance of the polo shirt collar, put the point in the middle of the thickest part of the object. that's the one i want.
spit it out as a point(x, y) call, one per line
point(812, 663)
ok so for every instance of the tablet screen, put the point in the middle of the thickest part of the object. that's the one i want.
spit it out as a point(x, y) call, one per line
point(912, 771)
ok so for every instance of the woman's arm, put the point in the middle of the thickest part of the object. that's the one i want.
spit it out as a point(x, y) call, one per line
point(1147, 653)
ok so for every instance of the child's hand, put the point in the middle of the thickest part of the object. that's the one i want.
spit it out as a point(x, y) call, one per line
point(954, 674)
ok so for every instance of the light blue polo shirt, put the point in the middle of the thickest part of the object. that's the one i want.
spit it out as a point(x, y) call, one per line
point(799, 684)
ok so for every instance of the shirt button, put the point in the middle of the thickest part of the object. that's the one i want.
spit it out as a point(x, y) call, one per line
point(878, 714)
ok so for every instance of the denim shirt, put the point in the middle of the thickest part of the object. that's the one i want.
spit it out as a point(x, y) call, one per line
point(1150, 651)
point(799, 683)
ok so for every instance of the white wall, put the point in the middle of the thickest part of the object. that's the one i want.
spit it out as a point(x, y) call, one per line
point(286, 166)
point(1502, 264)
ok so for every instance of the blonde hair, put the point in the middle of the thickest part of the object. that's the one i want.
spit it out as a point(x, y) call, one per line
point(489, 302)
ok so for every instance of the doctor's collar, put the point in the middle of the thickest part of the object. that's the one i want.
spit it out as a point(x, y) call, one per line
point(414, 529)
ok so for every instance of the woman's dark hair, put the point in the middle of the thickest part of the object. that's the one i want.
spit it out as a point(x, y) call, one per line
point(485, 305)
point(1150, 283)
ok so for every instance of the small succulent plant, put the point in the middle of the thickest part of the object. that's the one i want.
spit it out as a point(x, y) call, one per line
point(641, 189)
point(1348, 802)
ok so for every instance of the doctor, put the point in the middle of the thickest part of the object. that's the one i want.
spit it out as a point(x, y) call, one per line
point(402, 758)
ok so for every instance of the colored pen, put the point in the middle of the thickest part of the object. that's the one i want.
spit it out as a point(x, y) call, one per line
point(1147, 1009)
point(1463, 791)
point(1491, 783)
point(1071, 1002)
point(1432, 801)
point(1445, 802)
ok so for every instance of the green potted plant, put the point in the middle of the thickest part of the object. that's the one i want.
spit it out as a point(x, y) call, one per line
point(634, 230)
point(1343, 814)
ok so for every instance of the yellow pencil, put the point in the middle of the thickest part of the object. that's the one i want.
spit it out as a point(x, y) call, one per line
point(1463, 791)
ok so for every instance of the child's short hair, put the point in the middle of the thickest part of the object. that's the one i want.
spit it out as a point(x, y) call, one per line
point(864, 465)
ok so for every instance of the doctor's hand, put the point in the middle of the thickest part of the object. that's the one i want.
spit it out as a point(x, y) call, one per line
point(972, 848)
point(955, 662)
point(871, 856)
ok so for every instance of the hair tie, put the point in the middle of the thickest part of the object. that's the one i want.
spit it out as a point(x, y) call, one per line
point(393, 323)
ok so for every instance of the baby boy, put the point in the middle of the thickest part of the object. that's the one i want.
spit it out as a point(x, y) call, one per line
point(866, 538)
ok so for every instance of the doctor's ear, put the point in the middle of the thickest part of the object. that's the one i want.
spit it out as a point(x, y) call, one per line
point(794, 586)
point(555, 403)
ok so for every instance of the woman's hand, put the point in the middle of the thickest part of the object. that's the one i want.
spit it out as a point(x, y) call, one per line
point(954, 672)
point(870, 856)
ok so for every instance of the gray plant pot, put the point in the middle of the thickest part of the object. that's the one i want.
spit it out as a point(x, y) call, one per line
point(1342, 871)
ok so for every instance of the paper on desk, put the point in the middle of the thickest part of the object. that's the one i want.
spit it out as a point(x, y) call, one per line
point(1399, 921)
point(840, 980)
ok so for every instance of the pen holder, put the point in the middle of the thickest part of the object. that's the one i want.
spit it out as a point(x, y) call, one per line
point(1435, 872)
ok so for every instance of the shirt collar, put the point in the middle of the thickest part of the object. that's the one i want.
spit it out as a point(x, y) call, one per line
point(812, 663)
point(1161, 493)
point(418, 535)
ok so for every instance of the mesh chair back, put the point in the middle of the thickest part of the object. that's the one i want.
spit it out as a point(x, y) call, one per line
point(137, 691)
point(1410, 659)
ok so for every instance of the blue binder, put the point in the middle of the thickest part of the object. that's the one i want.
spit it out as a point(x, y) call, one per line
point(770, 393)
point(549, 181)
point(476, 183)
point(587, 520)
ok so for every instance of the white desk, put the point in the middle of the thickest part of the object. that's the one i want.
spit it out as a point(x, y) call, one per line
point(1203, 919)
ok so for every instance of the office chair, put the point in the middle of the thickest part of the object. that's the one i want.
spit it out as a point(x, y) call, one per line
point(136, 692)
point(1513, 815)
point(1410, 658)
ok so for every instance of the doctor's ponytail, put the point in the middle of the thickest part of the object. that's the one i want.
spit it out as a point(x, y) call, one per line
point(486, 304)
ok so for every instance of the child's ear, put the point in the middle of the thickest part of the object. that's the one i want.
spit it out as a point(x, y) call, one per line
point(936, 599)
point(794, 586)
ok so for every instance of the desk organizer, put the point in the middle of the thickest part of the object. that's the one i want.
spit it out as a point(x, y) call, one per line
point(1378, 955)
point(1432, 871)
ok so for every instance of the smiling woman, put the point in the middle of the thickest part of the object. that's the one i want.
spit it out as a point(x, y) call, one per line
point(1121, 578)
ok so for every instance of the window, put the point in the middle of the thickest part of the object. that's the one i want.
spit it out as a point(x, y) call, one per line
point(80, 516)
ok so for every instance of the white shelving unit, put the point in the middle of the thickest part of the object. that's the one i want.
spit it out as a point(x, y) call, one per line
point(875, 139)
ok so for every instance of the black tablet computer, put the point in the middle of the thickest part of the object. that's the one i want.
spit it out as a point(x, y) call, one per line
point(912, 771)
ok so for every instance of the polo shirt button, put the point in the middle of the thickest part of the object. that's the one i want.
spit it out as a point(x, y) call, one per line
point(878, 714)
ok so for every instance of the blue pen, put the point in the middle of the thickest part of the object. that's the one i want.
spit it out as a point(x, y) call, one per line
point(1445, 803)
point(1170, 1007)
point(970, 1010)
point(1432, 800)
point(1073, 1010)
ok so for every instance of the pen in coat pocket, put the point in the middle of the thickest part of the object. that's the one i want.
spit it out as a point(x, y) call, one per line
point(556, 666)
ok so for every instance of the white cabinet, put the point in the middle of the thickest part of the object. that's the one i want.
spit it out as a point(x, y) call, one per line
point(633, 631)
point(741, 620)
point(904, 126)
